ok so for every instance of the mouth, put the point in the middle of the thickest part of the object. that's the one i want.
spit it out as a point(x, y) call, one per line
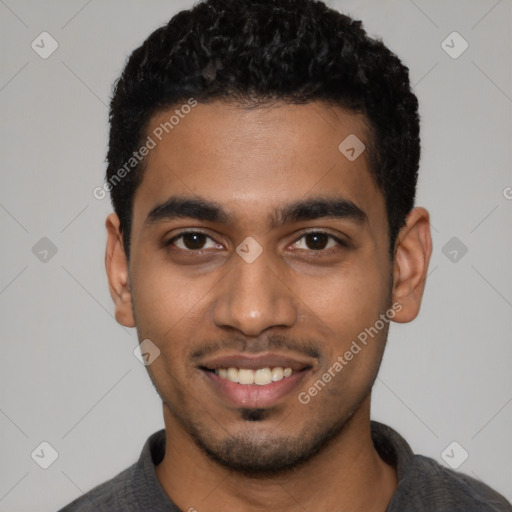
point(255, 381)
point(260, 377)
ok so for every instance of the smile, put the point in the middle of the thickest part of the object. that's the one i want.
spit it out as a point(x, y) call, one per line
point(261, 376)
point(255, 380)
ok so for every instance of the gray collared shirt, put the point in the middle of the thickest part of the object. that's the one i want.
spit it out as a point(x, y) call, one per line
point(423, 484)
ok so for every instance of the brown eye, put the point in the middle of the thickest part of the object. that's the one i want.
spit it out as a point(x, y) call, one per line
point(316, 241)
point(320, 242)
point(192, 241)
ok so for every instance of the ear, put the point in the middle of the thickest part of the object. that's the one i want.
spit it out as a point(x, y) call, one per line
point(116, 264)
point(412, 255)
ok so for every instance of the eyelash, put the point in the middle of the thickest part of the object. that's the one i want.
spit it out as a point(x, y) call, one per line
point(328, 251)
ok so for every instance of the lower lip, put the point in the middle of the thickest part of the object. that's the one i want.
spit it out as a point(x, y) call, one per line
point(254, 396)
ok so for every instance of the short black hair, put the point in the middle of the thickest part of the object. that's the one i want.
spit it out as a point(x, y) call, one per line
point(264, 51)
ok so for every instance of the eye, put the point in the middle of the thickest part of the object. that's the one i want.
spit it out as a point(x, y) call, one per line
point(318, 241)
point(193, 241)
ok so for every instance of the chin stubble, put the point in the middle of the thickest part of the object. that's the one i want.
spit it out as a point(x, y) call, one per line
point(259, 458)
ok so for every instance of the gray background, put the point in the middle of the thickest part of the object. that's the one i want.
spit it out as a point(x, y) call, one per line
point(67, 369)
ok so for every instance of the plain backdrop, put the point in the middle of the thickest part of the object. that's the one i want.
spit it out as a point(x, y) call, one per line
point(68, 374)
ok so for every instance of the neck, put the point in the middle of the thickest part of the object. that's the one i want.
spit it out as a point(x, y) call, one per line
point(347, 475)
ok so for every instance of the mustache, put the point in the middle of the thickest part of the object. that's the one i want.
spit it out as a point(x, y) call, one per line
point(256, 345)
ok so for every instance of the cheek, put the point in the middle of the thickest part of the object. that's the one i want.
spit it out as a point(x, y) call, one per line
point(346, 299)
point(171, 308)
point(166, 296)
point(349, 302)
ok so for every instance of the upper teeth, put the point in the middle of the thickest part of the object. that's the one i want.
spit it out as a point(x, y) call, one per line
point(261, 376)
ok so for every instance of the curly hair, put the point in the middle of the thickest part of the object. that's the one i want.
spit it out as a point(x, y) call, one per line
point(260, 51)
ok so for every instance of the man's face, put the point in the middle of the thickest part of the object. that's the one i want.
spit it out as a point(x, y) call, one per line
point(323, 276)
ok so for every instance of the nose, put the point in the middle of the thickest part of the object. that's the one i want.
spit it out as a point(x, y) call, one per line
point(253, 297)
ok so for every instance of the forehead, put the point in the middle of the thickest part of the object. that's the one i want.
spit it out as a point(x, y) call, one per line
point(254, 160)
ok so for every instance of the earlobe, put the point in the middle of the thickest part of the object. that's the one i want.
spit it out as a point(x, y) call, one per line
point(412, 256)
point(116, 265)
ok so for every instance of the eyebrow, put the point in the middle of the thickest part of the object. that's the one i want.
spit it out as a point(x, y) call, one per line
point(303, 210)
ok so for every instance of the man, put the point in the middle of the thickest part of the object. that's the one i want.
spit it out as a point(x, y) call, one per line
point(262, 165)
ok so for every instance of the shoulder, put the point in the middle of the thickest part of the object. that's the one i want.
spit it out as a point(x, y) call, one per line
point(430, 486)
point(133, 489)
point(110, 495)
point(424, 485)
